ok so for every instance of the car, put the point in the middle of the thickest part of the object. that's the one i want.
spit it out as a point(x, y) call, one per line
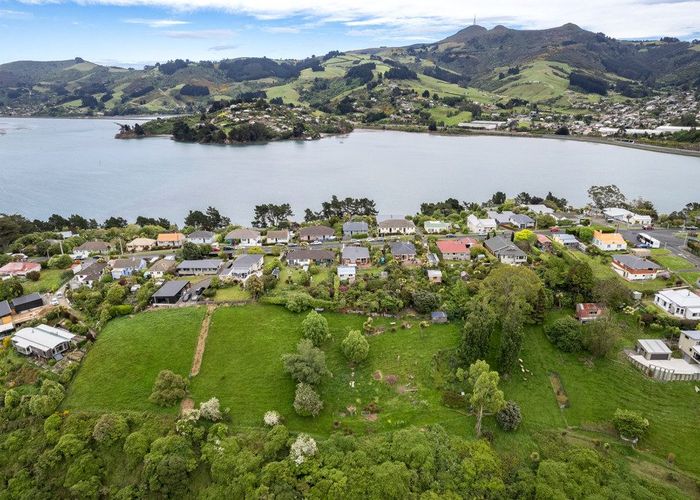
point(554, 229)
point(186, 297)
point(648, 227)
point(59, 294)
point(54, 302)
point(317, 242)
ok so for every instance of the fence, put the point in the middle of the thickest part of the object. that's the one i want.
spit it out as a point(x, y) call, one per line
point(661, 373)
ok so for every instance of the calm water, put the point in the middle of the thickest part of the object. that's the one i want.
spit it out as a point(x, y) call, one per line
point(76, 166)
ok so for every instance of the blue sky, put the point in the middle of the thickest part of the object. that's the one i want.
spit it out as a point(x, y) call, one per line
point(137, 32)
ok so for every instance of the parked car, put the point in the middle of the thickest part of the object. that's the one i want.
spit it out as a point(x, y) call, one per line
point(186, 297)
point(54, 302)
point(554, 229)
point(648, 227)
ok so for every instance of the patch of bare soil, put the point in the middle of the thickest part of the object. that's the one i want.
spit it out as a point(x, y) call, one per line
point(371, 417)
point(377, 375)
point(186, 405)
point(202, 341)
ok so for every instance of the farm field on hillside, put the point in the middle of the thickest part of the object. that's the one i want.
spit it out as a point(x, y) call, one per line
point(119, 371)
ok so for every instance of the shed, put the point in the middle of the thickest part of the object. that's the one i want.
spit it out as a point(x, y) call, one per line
point(27, 302)
point(438, 317)
point(170, 292)
point(653, 349)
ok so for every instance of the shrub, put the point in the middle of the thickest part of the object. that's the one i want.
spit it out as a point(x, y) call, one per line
point(566, 334)
point(304, 446)
point(307, 401)
point(110, 428)
point(272, 418)
point(210, 410)
point(316, 328)
point(59, 261)
point(34, 275)
point(307, 365)
point(168, 389)
point(630, 424)
point(355, 346)
point(136, 446)
point(509, 417)
point(298, 302)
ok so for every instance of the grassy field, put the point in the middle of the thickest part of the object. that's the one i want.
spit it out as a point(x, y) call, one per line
point(49, 281)
point(120, 369)
point(242, 366)
point(232, 293)
point(671, 262)
point(539, 81)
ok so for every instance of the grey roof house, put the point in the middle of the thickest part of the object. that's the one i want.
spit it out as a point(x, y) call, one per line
point(356, 255)
point(403, 251)
point(195, 267)
point(170, 292)
point(243, 267)
point(505, 250)
point(353, 228)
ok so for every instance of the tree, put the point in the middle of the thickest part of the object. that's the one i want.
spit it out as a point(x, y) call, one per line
point(566, 334)
point(110, 428)
point(215, 220)
point(271, 215)
point(425, 301)
point(190, 251)
point(315, 328)
point(210, 410)
point(479, 327)
point(307, 401)
point(509, 417)
point(255, 286)
point(169, 388)
point(630, 424)
point(10, 289)
point(115, 222)
point(60, 262)
point(197, 219)
point(355, 346)
point(606, 196)
point(486, 396)
point(115, 294)
point(611, 292)
point(511, 340)
point(524, 235)
point(512, 289)
point(498, 198)
point(307, 365)
point(601, 335)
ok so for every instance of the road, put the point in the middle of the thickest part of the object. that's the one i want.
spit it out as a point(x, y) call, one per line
point(668, 239)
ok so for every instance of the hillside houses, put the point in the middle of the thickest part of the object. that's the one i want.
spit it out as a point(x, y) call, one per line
point(140, 244)
point(122, 268)
point(396, 226)
point(91, 247)
point(198, 267)
point(456, 248)
point(43, 341)
point(633, 268)
point(17, 269)
point(306, 257)
point(243, 267)
point(355, 228)
point(436, 227)
point(355, 256)
point(202, 237)
point(481, 226)
point(170, 240)
point(608, 242)
point(505, 251)
point(624, 215)
point(403, 251)
point(281, 237)
point(316, 233)
point(679, 302)
point(243, 237)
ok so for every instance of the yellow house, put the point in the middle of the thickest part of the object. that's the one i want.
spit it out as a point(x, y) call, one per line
point(609, 242)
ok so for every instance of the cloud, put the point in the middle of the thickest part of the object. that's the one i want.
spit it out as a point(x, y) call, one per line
point(282, 29)
point(156, 23)
point(15, 14)
point(200, 34)
point(220, 48)
point(618, 18)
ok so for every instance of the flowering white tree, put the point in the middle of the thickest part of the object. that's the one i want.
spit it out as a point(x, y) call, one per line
point(210, 410)
point(304, 446)
point(272, 418)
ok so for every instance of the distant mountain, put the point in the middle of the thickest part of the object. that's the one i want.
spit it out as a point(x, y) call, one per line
point(486, 65)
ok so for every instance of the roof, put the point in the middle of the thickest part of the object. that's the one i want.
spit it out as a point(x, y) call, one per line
point(278, 235)
point(434, 273)
point(540, 209)
point(473, 219)
point(402, 248)
point(352, 252)
point(542, 239)
point(438, 315)
point(565, 238)
point(355, 226)
point(44, 337)
point(5, 308)
point(499, 245)
point(634, 262)
point(499, 217)
point(436, 224)
point(126, 263)
point(200, 264)
point(396, 223)
point(693, 334)
point(310, 254)
point(588, 308)
point(682, 297)
point(654, 346)
point(171, 237)
point(93, 246)
point(94, 268)
point(617, 212)
point(347, 270)
point(201, 234)
point(163, 265)
point(522, 219)
point(141, 242)
point(316, 231)
point(453, 246)
point(246, 261)
point(171, 288)
point(25, 299)
point(19, 267)
point(609, 238)
point(243, 234)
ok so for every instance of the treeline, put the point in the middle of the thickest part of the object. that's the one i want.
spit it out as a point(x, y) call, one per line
point(588, 83)
point(194, 90)
point(445, 75)
point(339, 209)
point(361, 72)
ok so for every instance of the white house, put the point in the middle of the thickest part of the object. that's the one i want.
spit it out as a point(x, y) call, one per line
point(347, 273)
point(162, 267)
point(90, 247)
point(197, 267)
point(42, 340)
point(122, 268)
point(280, 237)
point(201, 237)
point(689, 345)
point(140, 244)
point(633, 268)
point(505, 251)
point(480, 226)
point(500, 217)
point(624, 215)
point(396, 226)
point(609, 242)
point(243, 267)
point(681, 303)
point(436, 226)
point(243, 237)
point(540, 209)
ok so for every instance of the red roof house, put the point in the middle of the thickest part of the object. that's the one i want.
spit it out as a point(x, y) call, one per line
point(19, 268)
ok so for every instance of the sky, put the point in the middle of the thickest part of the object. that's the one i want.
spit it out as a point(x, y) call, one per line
point(138, 32)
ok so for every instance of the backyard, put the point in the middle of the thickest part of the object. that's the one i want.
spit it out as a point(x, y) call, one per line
point(49, 281)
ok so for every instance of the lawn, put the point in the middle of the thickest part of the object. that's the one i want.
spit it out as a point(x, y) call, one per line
point(242, 367)
point(671, 262)
point(602, 270)
point(119, 370)
point(49, 281)
point(231, 294)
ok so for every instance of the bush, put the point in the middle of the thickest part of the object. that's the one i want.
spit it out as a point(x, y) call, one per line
point(566, 334)
point(425, 302)
point(60, 261)
point(630, 424)
point(110, 428)
point(307, 365)
point(34, 275)
point(168, 389)
point(298, 302)
point(272, 418)
point(136, 446)
point(509, 417)
point(307, 401)
point(316, 328)
point(210, 410)
point(355, 346)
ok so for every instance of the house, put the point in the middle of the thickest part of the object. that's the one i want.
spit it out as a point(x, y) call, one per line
point(432, 258)
point(438, 317)
point(589, 311)
point(19, 268)
point(347, 273)
point(64, 235)
point(197, 267)
point(435, 227)
point(42, 340)
point(480, 226)
point(26, 302)
point(355, 228)
point(170, 240)
point(609, 242)
point(170, 292)
point(505, 251)
point(162, 267)
point(91, 247)
point(434, 276)
point(501, 218)
point(316, 233)
point(681, 303)
point(88, 275)
point(5, 317)
point(568, 240)
point(457, 248)
point(571, 218)
point(521, 221)
point(243, 267)
point(624, 215)
point(243, 237)
point(396, 226)
point(633, 268)
point(541, 241)
point(201, 237)
point(403, 251)
point(689, 345)
point(355, 256)
point(122, 268)
point(303, 257)
point(652, 349)
point(540, 209)
point(277, 237)
point(140, 244)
